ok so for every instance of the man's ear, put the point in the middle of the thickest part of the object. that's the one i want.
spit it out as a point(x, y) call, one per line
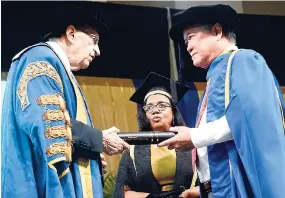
point(217, 31)
point(70, 33)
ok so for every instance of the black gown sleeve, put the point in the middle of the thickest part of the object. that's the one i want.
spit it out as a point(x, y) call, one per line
point(87, 141)
point(126, 177)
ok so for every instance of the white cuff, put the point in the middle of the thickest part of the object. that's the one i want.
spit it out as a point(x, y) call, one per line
point(211, 133)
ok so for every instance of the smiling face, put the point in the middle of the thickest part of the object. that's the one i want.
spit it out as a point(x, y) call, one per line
point(201, 42)
point(159, 112)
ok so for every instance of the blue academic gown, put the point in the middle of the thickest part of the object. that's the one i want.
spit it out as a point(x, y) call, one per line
point(36, 157)
point(253, 163)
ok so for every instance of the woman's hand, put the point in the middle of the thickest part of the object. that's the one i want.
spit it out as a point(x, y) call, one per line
point(193, 192)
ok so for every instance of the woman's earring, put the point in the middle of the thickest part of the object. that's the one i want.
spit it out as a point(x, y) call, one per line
point(173, 122)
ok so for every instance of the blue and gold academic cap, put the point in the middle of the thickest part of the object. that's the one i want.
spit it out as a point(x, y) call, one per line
point(166, 86)
point(77, 16)
point(225, 15)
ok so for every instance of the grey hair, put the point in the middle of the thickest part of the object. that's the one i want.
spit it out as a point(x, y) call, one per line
point(230, 35)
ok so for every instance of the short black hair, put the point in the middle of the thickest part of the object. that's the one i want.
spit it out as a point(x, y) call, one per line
point(228, 33)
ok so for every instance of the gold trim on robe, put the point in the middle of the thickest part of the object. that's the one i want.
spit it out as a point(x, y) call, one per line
point(53, 115)
point(60, 148)
point(55, 99)
point(163, 163)
point(83, 164)
point(33, 70)
point(59, 132)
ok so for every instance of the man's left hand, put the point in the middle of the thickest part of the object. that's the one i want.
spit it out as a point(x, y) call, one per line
point(180, 142)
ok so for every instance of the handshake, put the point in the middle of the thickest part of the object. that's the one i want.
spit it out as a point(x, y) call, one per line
point(112, 143)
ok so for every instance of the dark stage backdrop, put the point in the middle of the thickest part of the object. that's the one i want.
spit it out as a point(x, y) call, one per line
point(138, 40)
point(264, 34)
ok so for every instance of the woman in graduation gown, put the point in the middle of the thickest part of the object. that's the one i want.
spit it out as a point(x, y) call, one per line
point(147, 170)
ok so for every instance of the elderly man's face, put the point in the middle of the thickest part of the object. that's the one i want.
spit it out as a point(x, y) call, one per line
point(83, 49)
point(201, 45)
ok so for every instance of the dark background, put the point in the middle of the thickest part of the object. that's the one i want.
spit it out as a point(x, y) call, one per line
point(138, 38)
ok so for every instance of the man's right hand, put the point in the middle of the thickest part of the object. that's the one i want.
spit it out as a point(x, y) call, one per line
point(112, 143)
point(182, 141)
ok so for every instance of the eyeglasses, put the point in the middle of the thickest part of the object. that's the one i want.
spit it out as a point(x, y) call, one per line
point(160, 106)
point(94, 36)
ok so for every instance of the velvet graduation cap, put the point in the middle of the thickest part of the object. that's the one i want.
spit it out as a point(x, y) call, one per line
point(76, 16)
point(175, 90)
point(225, 15)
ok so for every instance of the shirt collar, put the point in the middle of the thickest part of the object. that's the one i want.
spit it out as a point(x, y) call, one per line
point(60, 53)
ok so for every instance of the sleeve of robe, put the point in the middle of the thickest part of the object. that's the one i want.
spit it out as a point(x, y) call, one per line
point(255, 121)
point(42, 115)
point(126, 177)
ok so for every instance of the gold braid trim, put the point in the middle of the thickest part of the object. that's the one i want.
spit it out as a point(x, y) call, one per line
point(60, 148)
point(33, 70)
point(52, 100)
point(66, 117)
point(59, 131)
point(56, 115)
point(53, 115)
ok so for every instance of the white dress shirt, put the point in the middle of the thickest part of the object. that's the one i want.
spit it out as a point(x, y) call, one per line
point(208, 134)
point(205, 135)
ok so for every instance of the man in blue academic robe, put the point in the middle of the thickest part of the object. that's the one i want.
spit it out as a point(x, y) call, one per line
point(49, 145)
point(238, 142)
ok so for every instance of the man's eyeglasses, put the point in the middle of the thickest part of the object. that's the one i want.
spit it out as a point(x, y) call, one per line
point(94, 36)
point(160, 106)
